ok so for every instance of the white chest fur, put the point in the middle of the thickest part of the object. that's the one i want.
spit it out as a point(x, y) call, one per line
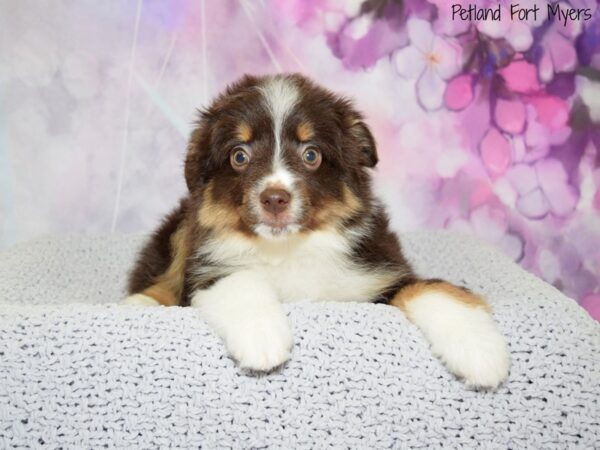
point(314, 267)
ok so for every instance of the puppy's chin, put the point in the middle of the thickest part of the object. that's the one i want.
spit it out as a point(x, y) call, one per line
point(276, 232)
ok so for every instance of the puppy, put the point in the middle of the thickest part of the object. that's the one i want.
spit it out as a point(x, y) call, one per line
point(280, 209)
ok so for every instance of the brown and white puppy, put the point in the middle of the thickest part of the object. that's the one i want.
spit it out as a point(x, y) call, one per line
point(280, 209)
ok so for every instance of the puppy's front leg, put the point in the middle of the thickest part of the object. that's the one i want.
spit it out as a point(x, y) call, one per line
point(244, 310)
point(460, 328)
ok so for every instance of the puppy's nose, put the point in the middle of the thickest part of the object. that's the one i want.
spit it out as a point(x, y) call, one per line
point(275, 200)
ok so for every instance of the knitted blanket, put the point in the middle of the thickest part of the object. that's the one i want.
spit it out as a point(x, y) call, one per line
point(79, 371)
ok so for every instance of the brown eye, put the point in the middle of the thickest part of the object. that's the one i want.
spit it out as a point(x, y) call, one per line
point(312, 157)
point(239, 158)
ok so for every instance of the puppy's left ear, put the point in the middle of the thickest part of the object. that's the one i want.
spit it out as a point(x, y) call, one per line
point(364, 142)
point(196, 159)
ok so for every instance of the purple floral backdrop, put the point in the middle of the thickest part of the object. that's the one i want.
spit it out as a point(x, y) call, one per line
point(486, 127)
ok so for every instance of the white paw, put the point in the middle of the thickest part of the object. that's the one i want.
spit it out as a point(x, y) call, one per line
point(140, 299)
point(464, 337)
point(263, 343)
point(478, 354)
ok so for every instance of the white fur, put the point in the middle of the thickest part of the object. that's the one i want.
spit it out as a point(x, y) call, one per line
point(244, 310)
point(464, 337)
point(313, 267)
point(267, 232)
point(280, 96)
point(140, 299)
point(244, 307)
point(281, 176)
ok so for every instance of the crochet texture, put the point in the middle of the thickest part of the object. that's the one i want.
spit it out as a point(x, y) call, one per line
point(79, 371)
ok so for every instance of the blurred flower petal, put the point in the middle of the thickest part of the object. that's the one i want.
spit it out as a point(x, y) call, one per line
point(592, 304)
point(459, 92)
point(430, 90)
point(549, 265)
point(563, 53)
point(449, 57)
point(590, 94)
point(359, 27)
point(420, 34)
point(495, 152)
point(533, 205)
point(444, 24)
point(495, 28)
point(512, 246)
point(489, 222)
point(546, 67)
point(450, 162)
point(596, 201)
point(519, 36)
point(552, 178)
point(409, 62)
point(510, 115)
point(552, 112)
point(523, 178)
point(521, 77)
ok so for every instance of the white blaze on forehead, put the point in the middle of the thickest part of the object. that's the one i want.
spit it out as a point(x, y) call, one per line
point(280, 95)
point(279, 177)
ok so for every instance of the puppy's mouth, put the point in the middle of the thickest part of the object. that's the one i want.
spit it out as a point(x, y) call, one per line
point(276, 221)
point(273, 226)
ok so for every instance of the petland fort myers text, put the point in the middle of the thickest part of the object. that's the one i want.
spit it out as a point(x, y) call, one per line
point(516, 11)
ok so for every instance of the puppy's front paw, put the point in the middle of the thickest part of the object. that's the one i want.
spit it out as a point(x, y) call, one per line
point(477, 353)
point(262, 344)
point(140, 299)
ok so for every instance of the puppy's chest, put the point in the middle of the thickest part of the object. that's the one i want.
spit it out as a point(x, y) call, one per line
point(318, 268)
point(320, 276)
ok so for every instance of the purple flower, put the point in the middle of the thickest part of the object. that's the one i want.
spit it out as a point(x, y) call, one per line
point(431, 60)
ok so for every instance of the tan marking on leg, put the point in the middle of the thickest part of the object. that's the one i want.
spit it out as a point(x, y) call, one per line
point(168, 287)
point(161, 294)
point(305, 131)
point(140, 299)
point(419, 288)
point(244, 132)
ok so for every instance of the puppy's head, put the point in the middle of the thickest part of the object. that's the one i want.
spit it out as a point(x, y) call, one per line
point(278, 155)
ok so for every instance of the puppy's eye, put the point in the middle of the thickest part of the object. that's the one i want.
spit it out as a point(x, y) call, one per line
point(239, 158)
point(312, 157)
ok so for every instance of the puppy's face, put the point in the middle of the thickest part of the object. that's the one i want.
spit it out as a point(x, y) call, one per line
point(279, 155)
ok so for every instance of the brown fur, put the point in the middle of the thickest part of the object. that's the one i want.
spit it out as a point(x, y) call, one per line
point(156, 257)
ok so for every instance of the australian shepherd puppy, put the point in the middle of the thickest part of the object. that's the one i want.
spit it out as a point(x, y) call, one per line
point(280, 209)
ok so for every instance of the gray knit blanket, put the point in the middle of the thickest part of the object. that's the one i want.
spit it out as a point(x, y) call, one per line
point(79, 371)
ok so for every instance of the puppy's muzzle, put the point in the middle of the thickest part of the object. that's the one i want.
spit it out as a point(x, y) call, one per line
point(275, 201)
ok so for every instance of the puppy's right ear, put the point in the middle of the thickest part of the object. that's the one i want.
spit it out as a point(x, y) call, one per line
point(196, 160)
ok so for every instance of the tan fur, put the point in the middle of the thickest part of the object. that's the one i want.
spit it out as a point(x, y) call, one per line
point(338, 210)
point(244, 132)
point(415, 290)
point(167, 289)
point(161, 294)
point(214, 215)
point(305, 131)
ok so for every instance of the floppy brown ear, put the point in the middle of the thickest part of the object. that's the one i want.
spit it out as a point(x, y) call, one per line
point(196, 160)
point(365, 143)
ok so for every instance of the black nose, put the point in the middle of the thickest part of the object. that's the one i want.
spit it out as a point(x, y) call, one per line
point(275, 200)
